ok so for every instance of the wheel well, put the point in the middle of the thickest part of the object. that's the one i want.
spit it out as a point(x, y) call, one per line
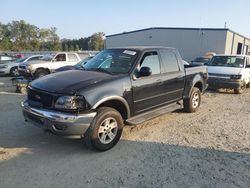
point(118, 105)
point(199, 86)
point(13, 68)
point(43, 69)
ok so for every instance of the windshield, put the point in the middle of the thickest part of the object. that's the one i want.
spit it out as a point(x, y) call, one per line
point(113, 61)
point(227, 61)
point(21, 60)
point(47, 57)
point(83, 62)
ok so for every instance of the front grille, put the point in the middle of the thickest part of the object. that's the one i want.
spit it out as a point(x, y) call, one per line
point(43, 98)
point(218, 75)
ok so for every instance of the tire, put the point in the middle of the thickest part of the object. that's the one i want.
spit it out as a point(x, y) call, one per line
point(248, 85)
point(14, 71)
point(103, 125)
point(192, 103)
point(40, 73)
point(241, 89)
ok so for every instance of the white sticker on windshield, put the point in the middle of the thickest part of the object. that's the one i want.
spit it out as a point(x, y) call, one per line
point(129, 52)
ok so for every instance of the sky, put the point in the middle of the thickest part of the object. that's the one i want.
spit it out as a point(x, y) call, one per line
point(82, 18)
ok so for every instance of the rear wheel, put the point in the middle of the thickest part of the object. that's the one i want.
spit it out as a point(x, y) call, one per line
point(192, 103)
point(105, 129)
point(40, 73)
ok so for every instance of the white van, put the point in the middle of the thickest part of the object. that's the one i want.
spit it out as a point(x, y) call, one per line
point(229, 71)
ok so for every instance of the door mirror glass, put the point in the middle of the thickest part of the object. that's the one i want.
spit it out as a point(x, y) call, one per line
point(145, 71)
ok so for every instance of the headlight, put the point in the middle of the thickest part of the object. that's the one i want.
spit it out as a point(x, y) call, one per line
point(3, 66)
point(235, 77)
point(70, 103)
point(29, 67)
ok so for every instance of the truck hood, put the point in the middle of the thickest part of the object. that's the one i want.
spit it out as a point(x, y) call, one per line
point(35, 62)
point(69, 82)
point(224, 70)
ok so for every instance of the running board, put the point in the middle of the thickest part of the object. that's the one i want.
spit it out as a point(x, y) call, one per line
point(153, 114)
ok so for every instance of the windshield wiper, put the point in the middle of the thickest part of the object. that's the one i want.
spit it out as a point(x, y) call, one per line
point(100, 70)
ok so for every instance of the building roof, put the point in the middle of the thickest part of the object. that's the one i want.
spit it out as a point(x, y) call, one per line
point(179, 28)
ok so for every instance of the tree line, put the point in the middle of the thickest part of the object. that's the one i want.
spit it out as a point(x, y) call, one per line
point(22, 36)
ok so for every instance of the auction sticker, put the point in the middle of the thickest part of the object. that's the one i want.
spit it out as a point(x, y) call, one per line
point(129, 52)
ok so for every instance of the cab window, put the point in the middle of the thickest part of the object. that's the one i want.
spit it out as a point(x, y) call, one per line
point(60, 57)
point(169, 61)
point(151, 60)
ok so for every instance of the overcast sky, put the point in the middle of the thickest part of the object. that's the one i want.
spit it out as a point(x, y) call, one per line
point(79, 18)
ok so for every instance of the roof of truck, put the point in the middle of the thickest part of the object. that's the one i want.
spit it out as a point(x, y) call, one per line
point(142, 47)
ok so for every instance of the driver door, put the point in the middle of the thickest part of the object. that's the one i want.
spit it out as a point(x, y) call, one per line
point(147, 90)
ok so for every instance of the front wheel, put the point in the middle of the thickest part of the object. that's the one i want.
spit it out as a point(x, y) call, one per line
point(40, 73)
point(14, 71)
point(105, 129)
point(192, 103)
point(241, 89)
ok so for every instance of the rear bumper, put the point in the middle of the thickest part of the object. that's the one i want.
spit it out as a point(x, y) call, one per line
point(57, 122)
point(224, 83)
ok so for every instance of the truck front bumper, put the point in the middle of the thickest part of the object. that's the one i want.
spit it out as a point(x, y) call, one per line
point(224, 83)
point(25, 72)
point(59, 123)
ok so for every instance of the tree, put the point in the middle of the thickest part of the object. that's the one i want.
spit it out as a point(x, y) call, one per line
point(65, 47)
point(96, 41)
point(19, 35)
point(77, 47)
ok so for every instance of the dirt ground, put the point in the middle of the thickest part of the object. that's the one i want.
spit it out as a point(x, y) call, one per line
point(210, 148)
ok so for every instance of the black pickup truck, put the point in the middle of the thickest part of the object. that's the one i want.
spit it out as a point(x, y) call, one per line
point(118, 86)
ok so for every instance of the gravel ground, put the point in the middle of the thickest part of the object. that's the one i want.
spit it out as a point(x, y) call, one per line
point(210, 148)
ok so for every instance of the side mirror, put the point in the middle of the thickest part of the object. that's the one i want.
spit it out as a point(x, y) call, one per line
point(145, 71)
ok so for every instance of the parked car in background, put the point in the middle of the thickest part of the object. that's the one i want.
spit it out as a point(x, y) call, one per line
point(229, 71)
point(12, 67)
point(130, 85)
point(77, 66)
point(41, 68)
point(5, 58)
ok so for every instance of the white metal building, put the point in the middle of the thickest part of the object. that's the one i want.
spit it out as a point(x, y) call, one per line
point(191, 42)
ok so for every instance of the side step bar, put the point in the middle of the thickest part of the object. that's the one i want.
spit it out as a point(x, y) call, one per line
point(153, 114)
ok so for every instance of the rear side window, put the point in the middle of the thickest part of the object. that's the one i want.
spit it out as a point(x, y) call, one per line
point(169, 61)
point(72, 58)
point(151, 60)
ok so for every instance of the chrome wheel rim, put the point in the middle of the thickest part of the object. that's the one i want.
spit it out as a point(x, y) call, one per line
point(107, 130)
point(195, 100)
point(15, 72)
